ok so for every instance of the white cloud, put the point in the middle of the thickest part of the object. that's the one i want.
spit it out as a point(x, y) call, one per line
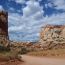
point(1, 7)
point(13, 18)
point(32, 14)
point(48, 5)
point(32, 8)
point(16, 28)
point(14, 22)
point(32, 20)
point(55, 19)
point(59, 4)
point(39, 0)
point(20, 1)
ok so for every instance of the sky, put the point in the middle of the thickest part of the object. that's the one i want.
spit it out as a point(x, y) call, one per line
point(26, 17)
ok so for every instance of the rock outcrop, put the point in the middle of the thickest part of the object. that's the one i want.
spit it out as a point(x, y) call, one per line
point(3, 28)
point(52, 36)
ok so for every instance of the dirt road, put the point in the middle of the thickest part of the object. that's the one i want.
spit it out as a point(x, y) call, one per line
point(30, 60)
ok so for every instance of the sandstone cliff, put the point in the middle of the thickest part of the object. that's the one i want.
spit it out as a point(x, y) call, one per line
point(3, 28)
point(52, 36)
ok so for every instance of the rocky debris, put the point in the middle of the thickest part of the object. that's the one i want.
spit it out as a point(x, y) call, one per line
point(52, 36)
point(21, 44)
point(4, 41)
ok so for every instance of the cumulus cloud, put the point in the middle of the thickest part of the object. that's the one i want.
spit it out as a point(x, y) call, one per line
point(20, 1)
point(1, 7)
point(32, 8)
point(29, 22)
point(27, 27)
point(59, 4)
point(48, 5)
point(14, 22)
point(57, 19)
point(33, 11)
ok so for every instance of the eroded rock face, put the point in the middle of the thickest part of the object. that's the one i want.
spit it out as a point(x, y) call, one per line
point(3, 28)
point(4, 23)
point(52, 36)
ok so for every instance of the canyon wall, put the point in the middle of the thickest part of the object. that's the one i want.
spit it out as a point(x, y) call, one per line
point(3, 27)
point(52, 36)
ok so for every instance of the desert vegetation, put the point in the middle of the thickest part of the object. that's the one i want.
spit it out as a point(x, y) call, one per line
point(8, 55)
point(49, 53)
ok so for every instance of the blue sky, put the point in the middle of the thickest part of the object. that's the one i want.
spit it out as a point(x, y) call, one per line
point(26, 17)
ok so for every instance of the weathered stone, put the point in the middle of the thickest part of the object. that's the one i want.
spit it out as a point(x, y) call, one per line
point(4, 28)
point(52, 36)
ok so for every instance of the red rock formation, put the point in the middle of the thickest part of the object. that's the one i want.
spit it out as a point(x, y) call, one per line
point(3, 28)
point(4, 23)
point(52, 35)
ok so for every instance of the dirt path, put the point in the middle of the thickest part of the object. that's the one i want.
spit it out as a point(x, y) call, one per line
point(30, 60)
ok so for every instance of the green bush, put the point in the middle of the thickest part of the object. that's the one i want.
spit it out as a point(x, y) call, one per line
point(23, 51)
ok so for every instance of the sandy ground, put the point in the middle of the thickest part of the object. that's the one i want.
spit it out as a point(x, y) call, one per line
point(31, 60)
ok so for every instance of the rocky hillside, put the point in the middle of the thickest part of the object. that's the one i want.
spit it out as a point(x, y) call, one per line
point(52, 36)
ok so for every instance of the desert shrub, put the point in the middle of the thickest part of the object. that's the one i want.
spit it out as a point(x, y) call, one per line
point(52, 52)
point(23, 50)
point(12, 55)
point(7, 54)
point(2, 49)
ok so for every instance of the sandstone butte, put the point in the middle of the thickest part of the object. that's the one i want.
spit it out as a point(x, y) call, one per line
point(52, 36)
point(4, 28)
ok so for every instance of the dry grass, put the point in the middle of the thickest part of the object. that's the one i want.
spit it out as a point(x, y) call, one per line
point(48, 53)
point(10, 58)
